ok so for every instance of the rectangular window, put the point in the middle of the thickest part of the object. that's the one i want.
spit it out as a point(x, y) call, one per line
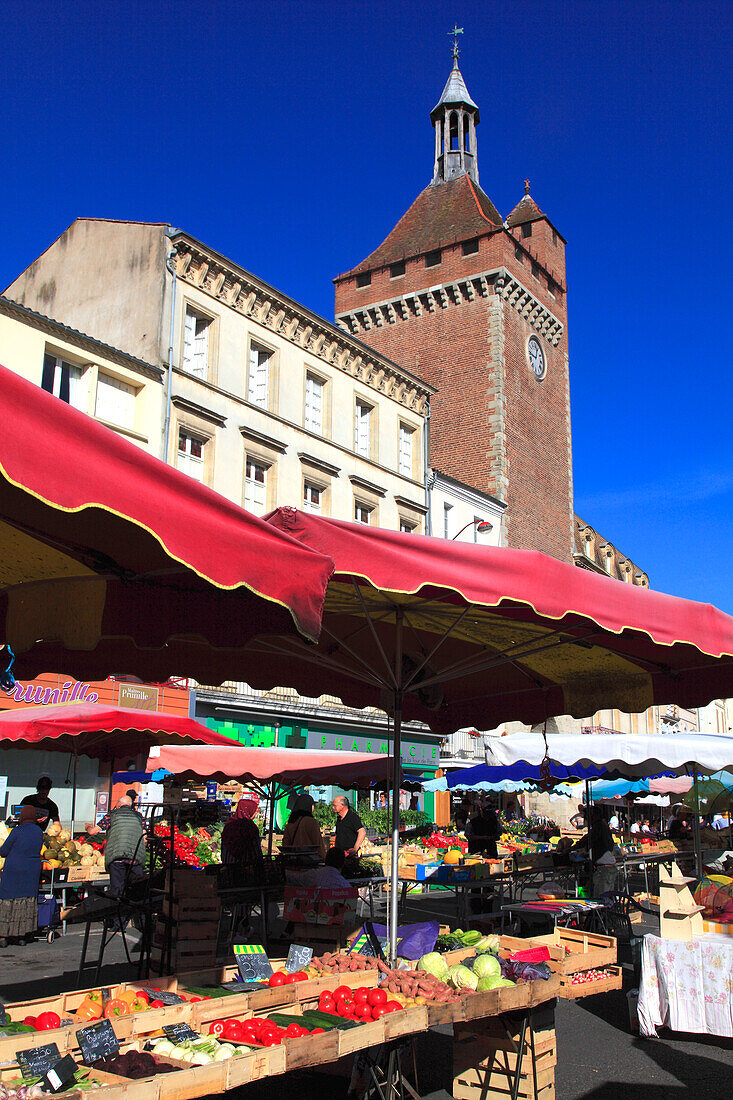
point(536, 270)
point(469, 247)
point(432, 259)
point(527, 229)
point(551, 287)
point(406, 527)
point(364, 279)
point(362, 429)
point(115, 401)
point(447, 509)
point(259, 376)
point(191, 455)
point(312, 497)
point(519, 254)
point(196, 344)
point(255, 487)
point(65, 381)
point(362, 514)
point(395, 270)
point(554, 236)
point(405, 458)
point(313, 404)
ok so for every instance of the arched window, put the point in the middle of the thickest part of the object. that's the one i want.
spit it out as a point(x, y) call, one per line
point(454, 142)
point(466, 133)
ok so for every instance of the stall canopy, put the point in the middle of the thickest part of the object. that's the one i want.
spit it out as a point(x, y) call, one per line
point(272, 765)
point(458, 635)
point(114, 561)
point(88, 729)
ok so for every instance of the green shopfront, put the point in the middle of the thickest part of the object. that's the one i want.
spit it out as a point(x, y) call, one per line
point(420, 752)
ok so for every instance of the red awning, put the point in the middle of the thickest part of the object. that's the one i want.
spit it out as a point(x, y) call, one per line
point(490, 635)
point(103, 733)
point(285, 766)
point(113, 561)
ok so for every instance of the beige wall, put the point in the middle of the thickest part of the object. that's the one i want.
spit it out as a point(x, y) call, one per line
point(24, 343)
point(277, 435)
point(106, 279)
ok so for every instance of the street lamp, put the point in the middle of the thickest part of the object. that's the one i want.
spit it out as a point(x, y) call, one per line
point(482, 527)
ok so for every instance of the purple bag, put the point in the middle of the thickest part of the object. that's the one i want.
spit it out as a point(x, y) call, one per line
point(413, 940)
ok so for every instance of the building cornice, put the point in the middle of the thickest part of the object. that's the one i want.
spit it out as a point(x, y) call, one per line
point(79, 339)
point(319, 464)
point(199, 410)
point(367, 486)
point(465, 493)
point(453, 295)
point(236, 288)
point(405, 502)
point(262, 439)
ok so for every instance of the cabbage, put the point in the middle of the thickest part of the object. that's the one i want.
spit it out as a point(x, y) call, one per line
point(434, 964)
point(486, 944)
point(487, 966)
point(460, 977)
point(504, 981)
point(488, 983)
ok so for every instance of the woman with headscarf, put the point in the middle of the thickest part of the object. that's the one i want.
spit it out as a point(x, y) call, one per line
point(20, 877)
point(240, 838)
point(302, 829)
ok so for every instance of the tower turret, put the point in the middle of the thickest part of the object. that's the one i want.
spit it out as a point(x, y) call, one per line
point(455, 118)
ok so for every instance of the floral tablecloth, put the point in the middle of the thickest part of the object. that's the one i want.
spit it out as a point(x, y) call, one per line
point(687, 986)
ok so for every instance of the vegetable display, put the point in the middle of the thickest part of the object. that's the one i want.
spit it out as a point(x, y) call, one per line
point(201, 1051)
point(134, 1064)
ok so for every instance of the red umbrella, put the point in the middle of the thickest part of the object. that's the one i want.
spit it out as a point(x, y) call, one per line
point(89, 729)
point(112, 560)
point(457, 636)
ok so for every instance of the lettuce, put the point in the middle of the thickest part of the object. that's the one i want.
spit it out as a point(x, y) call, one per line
point(487, 966)
point(434, 964)
point(460, 977)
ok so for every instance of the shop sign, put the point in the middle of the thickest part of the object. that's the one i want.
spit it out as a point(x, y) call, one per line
point(70, 691)
point(138, 696)
point(418, 753)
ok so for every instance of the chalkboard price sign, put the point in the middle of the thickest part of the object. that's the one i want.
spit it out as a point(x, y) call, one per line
point(35, 1062)
point(178, 1033)
point(253, 963)
point(298, 958)
point(166, 996)
point(97, 1041)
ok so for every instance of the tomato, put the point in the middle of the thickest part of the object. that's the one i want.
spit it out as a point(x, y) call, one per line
point(289, 979)
point(294, 1031)
point(318, 1031)
point(270, 1041)
point(342, 991)
point(156, 1004)
point(344, 1007)
point(363, 1011)
point(233, 1029)
point(47, 1021)
point(326, 999)
point(378, 1011)
point(377, 997)
point(30, 1021)
point(300, 976)
point(144, 994)
point(278, 978)
point(217, 1028)
point(193, 999)
point(393, 1006)
point(361, 995)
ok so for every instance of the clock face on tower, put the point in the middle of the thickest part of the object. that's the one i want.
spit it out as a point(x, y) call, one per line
point(536, 358)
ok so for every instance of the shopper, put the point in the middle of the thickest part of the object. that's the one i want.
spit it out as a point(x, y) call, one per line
point(49, 809)
point(350, 833)
point(240, 839)
point(484, 832)
point(20, 878)
point(599, 841)
point(302, 829)
point(124, 850)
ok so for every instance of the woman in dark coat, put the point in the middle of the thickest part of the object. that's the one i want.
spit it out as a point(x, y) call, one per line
point(20, 877)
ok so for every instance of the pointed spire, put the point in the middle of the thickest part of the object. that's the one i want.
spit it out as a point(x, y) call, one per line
point(454, 118)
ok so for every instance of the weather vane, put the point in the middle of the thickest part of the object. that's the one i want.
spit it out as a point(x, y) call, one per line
point(454, 35)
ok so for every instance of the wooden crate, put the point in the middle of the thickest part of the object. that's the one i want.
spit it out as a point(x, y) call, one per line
point(482, 1058)
point(570, 992)
point(570, 949)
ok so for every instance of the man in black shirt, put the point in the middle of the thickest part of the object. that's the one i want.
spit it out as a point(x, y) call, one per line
point(49, 811)
point(350, 833)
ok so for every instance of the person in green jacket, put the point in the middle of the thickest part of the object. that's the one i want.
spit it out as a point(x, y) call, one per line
point(124, 851)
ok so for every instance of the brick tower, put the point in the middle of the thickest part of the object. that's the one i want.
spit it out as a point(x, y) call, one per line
point(476, 306)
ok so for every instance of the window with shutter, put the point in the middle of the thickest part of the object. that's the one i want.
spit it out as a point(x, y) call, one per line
point(313, 404)
point(259, 376)
point(66, 381)
point(255, 487)
point(405, 463)
point(196, 344)
point(362, 514)
point(362, 442)
point(115, 401)
point(312, 497)
point(191, 455)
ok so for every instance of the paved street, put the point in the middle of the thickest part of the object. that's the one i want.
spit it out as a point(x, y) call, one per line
point(598, 1059)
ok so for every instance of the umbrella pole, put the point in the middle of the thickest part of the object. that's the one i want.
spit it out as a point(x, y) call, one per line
point(696, 823)
point(272, 817)
point(396, 770)
point(73, 797)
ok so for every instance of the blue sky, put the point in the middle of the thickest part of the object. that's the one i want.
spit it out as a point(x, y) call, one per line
point(292, 137)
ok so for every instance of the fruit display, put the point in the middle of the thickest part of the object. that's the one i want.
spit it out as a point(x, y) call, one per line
point(199, 1052)
point(196, 847)
point(61, 850)
point(360, 1004)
